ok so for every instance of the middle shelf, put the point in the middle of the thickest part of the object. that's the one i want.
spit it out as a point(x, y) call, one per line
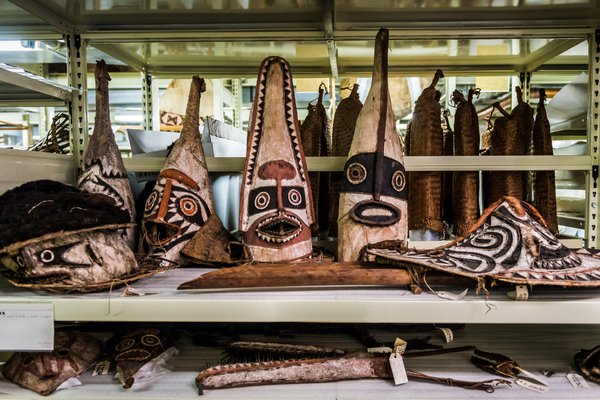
point(163, 302)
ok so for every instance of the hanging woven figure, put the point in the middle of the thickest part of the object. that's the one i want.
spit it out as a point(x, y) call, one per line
point(181, 202)
point(316, 141)
point(426, 139)
point(465, 185)
point(344, 124)
point(373, 198)
point(447, 209)
point(544, 182)
point(511, 243)
point(276, 208)
point(103, 168)
point(524, 113)
point(44, 372)
point(508, 139)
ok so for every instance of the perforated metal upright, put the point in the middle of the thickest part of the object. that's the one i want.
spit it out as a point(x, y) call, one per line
point(78, 106)
point(147, 99)
point(593, 192)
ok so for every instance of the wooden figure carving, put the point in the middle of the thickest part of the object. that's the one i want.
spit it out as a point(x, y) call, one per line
point(276, 208)
point(465, 185)
point(103, 168)
point(344, 124)
point(373, 197)
point(44, 372)
point(544, 182)
point(181, 202)
point(425, 194)
point(316, 141)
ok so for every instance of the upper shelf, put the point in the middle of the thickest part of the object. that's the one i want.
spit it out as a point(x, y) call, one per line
point(20, 87)
point(163, 302)
point(228, 38)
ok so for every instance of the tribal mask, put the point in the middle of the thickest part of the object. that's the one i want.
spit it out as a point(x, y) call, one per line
point(510, 243)
point(57, 237)
point(43, 372)
point(373, 196)
point(276, 203)
point(182, 200)
point(131, 350)
point(103, 168)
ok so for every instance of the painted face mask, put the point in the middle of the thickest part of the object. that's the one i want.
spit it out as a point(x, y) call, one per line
point(133, 349)
point(276, 203)
point(43, 373)
point(510, 243)
point(182, 200)
point(103, 168)
point(59, 238)
point(373, 196)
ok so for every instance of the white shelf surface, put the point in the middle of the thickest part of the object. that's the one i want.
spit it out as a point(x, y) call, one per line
point(535, 348)
point(20, 166)
point(325, 304)
point(414, 163)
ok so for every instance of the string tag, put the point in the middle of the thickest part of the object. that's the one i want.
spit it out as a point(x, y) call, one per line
point(101, 368)
point(397, 362)
point(520, 293)
point(577, 381)
point(448, 334)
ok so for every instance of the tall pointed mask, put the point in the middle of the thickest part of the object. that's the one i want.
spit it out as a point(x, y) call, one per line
point(181, 201)
point(276, 203)
point(103, 168)
point(373, 197)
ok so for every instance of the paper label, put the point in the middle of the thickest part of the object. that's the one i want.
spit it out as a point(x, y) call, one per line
point(448, 335)
point(398, 369)
point(381, 349)
point(399, 346)
point(452, 296)
point(101, 368)
point(536, 387)
point(577, 381)
point(520, 293)
point(26, 326)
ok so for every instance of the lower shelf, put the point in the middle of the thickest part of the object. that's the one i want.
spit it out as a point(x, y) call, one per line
point(536, 348)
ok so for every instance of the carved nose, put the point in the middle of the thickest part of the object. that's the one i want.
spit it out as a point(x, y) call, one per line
point(278, 170)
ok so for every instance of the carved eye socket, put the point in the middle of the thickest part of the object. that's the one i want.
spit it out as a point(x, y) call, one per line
point(124, 344)
point(150, 201)
point(294, 197)
point(27, 361)
point(150, 340)
point(47, 256)
point(398, 181)
point(62, 353)
point(20, 261)
point(188, 206)
point(262, 200)
point(356, 173)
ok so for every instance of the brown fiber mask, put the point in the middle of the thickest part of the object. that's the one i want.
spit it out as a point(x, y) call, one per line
point(182, 200)
point(276, 208)
point(373, 196)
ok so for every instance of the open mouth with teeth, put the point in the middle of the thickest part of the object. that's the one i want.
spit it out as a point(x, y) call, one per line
point(159, 233)
point(279, 228)
point(375, 213)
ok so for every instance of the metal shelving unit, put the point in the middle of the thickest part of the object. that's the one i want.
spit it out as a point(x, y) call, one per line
point(334, 38)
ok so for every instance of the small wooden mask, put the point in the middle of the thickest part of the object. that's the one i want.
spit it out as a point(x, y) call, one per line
point(182, 200)
point(44, 372)
point(373, 196)
point(276, 203)
point(103, 168)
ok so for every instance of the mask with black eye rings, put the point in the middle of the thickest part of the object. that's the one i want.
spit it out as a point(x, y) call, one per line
point(47, 256)
point(262, 200)
point(398, 181)
point(20, 261)
point(188, 206)
point(150, 201)
point(124, 344)
point(294, 197)
point(356, 173)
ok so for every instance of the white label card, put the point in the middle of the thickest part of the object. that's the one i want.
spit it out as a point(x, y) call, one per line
point(26, 326)
point(577, 381)
point(399, 346)
point(381, 349)
point(398, 369)
point(101, 368)
point(536, 387)
point(520, 293)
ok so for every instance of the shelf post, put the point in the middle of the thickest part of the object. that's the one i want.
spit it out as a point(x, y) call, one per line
point(591, 216)
point(78, 105)
point(236, 91)
point(147, 100)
